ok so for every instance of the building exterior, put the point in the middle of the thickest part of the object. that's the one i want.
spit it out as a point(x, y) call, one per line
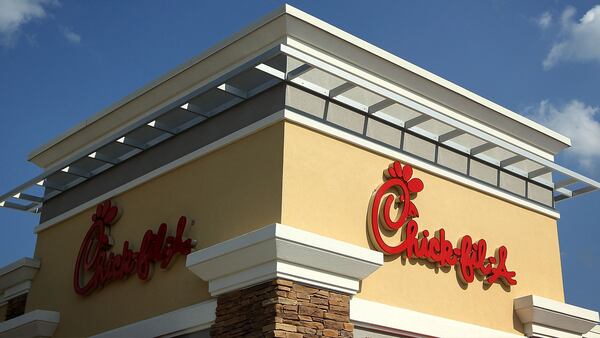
point(295, 181)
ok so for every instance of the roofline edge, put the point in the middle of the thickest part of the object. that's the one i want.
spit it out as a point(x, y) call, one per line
point(312, 20)
point(161, 79)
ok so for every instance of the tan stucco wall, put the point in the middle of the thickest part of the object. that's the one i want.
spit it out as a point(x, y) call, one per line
point(327, 185)
point(228, 192)
point(325, 188)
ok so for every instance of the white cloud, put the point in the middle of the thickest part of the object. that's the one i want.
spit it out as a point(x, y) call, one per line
point(577, 40)
point(577, 121)
point(15, 13)
point(71, 36)
point(544, 20)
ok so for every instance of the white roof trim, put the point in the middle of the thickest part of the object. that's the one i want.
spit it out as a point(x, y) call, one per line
point(15, 291)
point(287, 9)
point(22, 262)
point(594, 332)
point(15, 276)
point(550, 318)
point(198, 316)
point(281, 251)
point(369, 314)
point(177, 70)
point(421, 72)
point(37, 323)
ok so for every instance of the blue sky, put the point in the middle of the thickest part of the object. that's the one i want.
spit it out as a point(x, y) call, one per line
point(62, 61)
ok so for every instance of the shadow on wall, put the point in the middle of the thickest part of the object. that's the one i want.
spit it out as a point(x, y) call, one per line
point(391, 210)
point(517, 325)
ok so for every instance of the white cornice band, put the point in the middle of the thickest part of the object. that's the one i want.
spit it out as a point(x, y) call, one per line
point(38, 324)
point(287, 115)
point(191, 318)
point(16, 290)
point(15, 278)
point(594, 332)
point(280, 251)
point(320, 30)
point(391, 319)
point(543, 317)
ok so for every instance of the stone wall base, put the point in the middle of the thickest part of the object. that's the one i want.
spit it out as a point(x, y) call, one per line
point(282, 308)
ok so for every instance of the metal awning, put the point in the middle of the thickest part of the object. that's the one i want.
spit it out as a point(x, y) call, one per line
point(286, 64)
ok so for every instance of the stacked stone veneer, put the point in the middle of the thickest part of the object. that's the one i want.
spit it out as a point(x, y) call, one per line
point(282, 308)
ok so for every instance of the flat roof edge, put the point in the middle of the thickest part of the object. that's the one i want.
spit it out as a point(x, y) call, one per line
point(161, 79)
point(19, 263)
point(425, 73)
point(328, 28)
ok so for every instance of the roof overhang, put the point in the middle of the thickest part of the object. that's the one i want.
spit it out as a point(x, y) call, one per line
point(543, 317)
point(292, 26)
point(287, 47)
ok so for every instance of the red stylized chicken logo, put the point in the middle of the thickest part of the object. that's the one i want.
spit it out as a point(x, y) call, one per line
point(399, 188)
point(97, 265)
point(106, 213)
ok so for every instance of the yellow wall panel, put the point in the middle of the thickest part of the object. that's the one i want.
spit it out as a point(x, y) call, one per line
point(327, 185)
point(228, 193)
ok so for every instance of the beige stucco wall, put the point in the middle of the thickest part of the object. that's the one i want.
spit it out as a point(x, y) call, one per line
point(228, 193)
point(327, 185)
point(298, 177)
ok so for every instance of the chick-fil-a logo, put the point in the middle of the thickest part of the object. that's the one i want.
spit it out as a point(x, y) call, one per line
point(96, 265)
point(398, 191)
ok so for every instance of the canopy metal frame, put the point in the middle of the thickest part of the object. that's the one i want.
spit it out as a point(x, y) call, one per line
point(566, 177)
point(189, 111)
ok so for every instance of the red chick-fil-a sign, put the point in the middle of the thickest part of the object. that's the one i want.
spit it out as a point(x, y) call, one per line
point(96, 265)
point(399, 189)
